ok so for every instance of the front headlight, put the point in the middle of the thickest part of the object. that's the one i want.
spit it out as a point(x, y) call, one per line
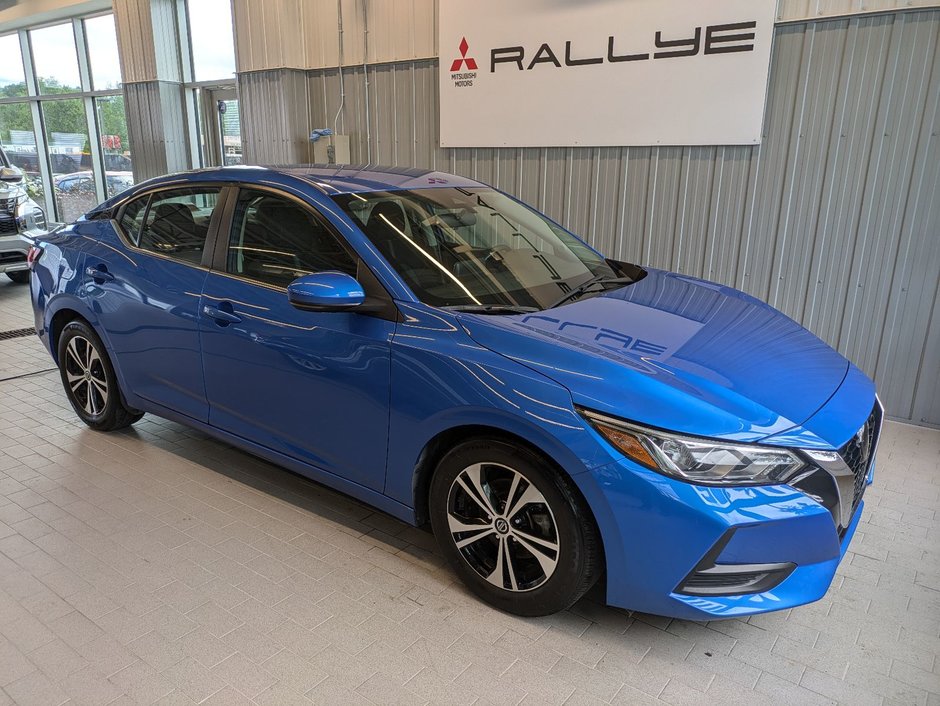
point(697, 460)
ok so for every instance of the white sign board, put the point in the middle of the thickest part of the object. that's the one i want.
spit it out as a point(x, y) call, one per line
point(541, 73)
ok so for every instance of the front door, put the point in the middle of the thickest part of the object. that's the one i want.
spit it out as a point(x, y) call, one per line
point(147, 296)
point(312, 385)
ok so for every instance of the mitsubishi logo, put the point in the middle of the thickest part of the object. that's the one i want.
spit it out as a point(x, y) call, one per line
point(470, 62)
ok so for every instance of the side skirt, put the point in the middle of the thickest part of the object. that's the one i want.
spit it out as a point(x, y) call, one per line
point(359, 492)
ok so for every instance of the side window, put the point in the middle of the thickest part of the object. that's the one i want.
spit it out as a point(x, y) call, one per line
point(177, 223)
point(133, 217)
point(275, 241)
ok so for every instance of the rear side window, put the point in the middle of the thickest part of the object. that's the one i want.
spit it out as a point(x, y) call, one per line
point(133, 216)
point(176, 223)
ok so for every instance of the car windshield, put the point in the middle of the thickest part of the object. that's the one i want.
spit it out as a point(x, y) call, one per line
point(475, 248)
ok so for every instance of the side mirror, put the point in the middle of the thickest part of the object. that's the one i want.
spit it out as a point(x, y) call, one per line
point(325, 291)
point(11, 174)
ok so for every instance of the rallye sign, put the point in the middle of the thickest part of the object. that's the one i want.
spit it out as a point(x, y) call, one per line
point(542, 73)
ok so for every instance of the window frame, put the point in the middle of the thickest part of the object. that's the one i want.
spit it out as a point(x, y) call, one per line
point(304, 206)
point(380, 302)
point(220, 262)
point(212, 236)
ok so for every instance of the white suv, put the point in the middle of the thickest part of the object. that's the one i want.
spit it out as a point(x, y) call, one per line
point(20, 219)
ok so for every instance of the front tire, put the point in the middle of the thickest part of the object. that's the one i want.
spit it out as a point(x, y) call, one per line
point(19, 277)
point(513, 528)
point(89, 379)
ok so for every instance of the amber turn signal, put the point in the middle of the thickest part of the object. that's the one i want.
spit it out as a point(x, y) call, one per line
point(626, 443)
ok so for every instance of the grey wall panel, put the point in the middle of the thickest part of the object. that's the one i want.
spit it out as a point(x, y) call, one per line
point(790, 10)
point(274, 113)
point(147, 36)
point(154, 126)
point(834, 218)
point(134, 35)
point(303, 34)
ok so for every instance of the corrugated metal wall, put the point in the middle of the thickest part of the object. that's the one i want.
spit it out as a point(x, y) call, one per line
point(302, 34)
point(834, 218)
point(267, 137)
point(788, 10)
point(147, 40)
point(154, 125)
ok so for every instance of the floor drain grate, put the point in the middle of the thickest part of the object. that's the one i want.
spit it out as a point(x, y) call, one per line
point(17, 333)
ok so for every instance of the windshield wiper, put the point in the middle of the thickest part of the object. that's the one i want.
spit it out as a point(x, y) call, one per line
point(491, 308)
point(584, 286)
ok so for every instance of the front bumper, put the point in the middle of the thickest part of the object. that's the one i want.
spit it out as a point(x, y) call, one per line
point(658, 531)
point(13, 251)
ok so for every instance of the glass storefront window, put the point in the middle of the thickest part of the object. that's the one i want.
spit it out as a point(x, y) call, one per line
point(73, 179)
point(12, 76)
point(103, 59)
point(55, 59)
point(57, 140)
point(213, 45)
point(19, 144)
point(115, 148)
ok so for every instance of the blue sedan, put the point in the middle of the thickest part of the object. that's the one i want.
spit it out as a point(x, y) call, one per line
point(441, 351)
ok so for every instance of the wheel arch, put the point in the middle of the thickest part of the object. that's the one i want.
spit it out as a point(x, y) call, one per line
point(445, 440)
point(65, 309)
point(57, 323)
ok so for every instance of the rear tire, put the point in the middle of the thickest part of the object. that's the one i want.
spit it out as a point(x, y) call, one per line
point(89, 380)
point(514, 528)
point(20, 276)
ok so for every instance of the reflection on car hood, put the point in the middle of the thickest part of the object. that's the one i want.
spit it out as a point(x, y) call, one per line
point(678, 353)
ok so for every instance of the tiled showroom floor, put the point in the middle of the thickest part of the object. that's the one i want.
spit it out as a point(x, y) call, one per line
point(157, 565)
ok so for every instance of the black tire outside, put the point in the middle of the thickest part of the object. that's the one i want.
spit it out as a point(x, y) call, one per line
point(115, 415)
point(19, 277)
point(580, 556)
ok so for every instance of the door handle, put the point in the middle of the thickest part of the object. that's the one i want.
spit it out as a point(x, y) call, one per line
point(221, 316)
point(99, 274)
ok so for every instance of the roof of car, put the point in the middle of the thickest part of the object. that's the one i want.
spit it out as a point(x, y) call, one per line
point(347, 178)
point(330, 179)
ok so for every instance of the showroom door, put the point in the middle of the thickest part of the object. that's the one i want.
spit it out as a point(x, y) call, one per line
point(221, 126)
point(312, 385)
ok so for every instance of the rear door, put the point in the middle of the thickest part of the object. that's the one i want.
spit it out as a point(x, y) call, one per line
point(146, 295)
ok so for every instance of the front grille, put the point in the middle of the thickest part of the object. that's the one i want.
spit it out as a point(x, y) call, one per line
point(859, 451)
point(9, 257)
point(7, 225)
point(8, 205)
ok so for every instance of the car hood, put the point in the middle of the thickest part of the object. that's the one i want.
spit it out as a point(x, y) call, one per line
point(678, 353)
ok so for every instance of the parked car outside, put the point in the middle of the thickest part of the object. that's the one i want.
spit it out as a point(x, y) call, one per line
point(439, 350)
point(84, 182)
point(116, 182)
point(76, 192)
point(21, 218)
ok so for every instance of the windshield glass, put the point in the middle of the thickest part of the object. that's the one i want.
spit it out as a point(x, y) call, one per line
point(473, 247)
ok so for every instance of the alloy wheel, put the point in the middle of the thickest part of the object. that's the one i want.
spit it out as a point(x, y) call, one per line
point(85, 375)
point(503, 526)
